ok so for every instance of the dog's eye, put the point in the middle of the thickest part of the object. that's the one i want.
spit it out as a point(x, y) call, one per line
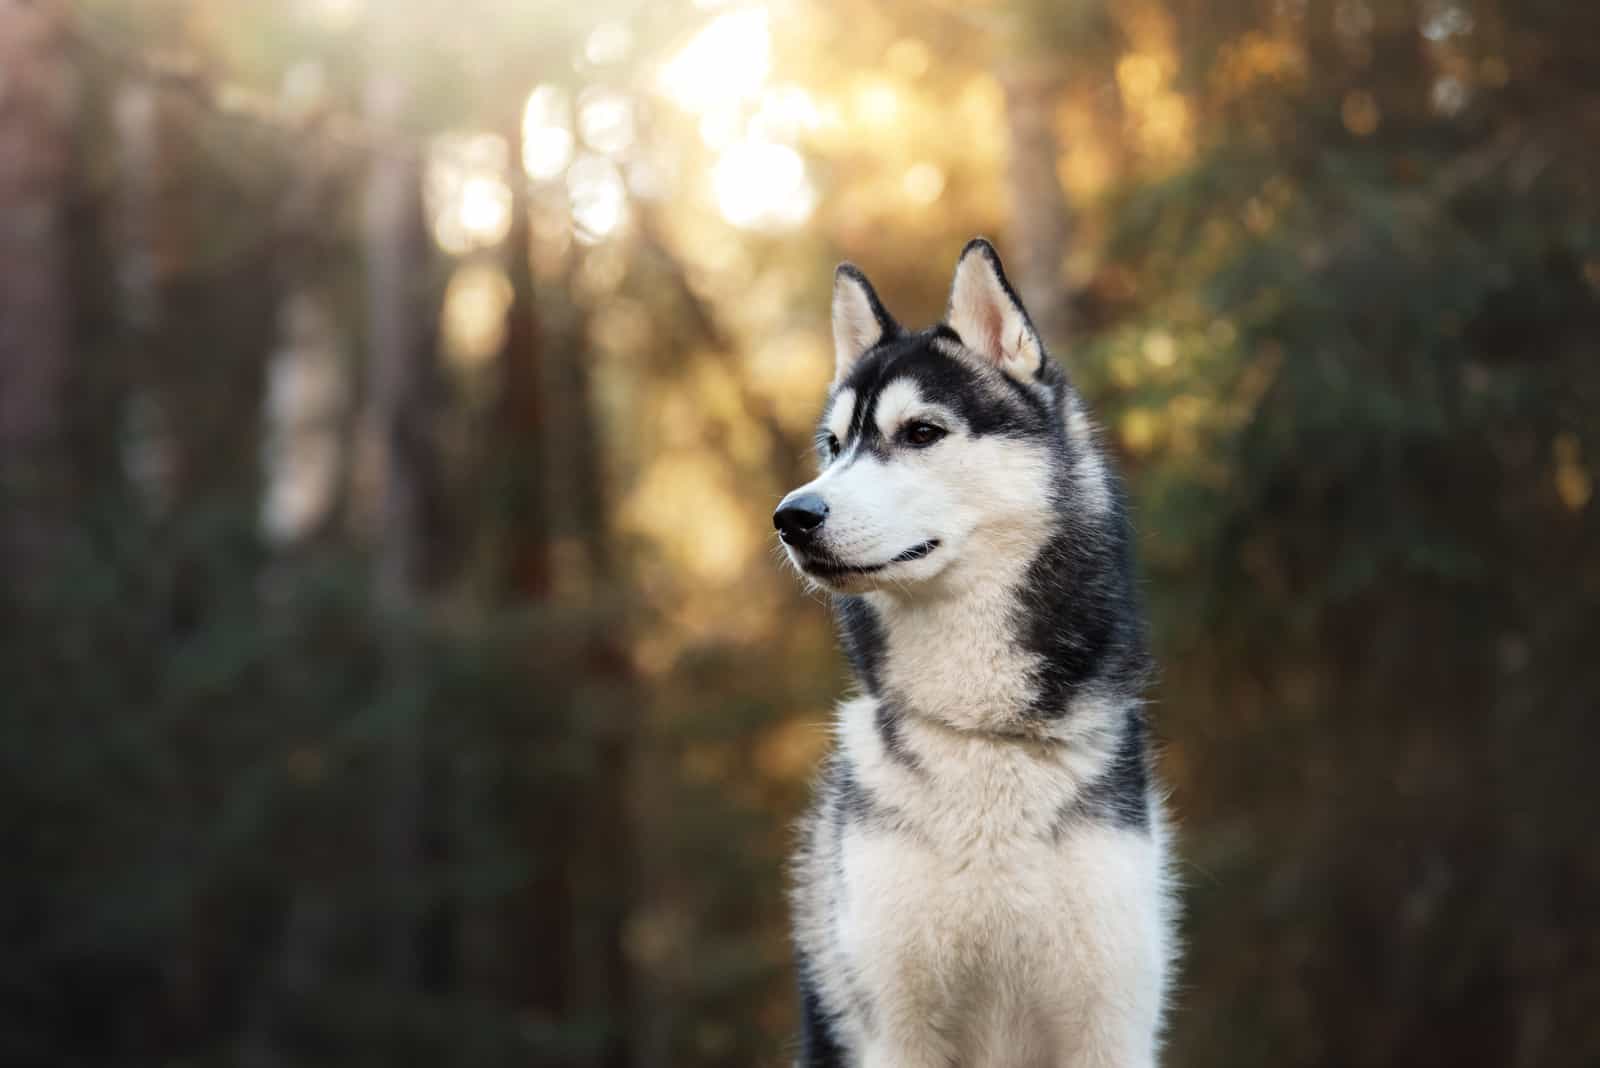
point(832, 445)
point(921, 434)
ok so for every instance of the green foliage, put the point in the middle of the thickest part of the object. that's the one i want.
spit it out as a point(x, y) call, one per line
point(196, 745)
point(1343, 383)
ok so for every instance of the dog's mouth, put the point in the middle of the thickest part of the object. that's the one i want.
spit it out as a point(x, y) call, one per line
point(825, 565)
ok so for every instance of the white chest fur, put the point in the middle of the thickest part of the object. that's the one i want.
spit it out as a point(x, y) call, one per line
point(985, 929)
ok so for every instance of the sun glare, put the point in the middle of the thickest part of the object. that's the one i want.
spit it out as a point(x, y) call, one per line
point(728, 60)
point(332, 14)
point(485, 208)
point(547, 141)
point(923, 182)
point(784, 112)
point(468, 199)
point(599, 198)
point(720, 124)
point(762, 185)
point(474, 320)
point(877, 103)
point(608, 43)
point(605, 120)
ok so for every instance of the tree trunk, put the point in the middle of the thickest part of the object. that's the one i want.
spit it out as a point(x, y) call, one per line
point(520, 417)
point(308, 380)
point(399, 370)
point(145, 257)
point(37, 106)
point(546, 913)
point(197, 300)
point(307, 431)
point(1400, 67)
point(1040, 223)
point(604, 857)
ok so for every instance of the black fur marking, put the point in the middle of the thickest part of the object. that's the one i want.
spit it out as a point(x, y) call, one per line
point(860, 999)
point(888, 717)
point(1016, 411)
point(854, 804)
point(1120, 797)
point(814, 562)
point(858, 419)
point(1082, 614)
point(1030, 397)
point(861, 634)
point(819, 1046)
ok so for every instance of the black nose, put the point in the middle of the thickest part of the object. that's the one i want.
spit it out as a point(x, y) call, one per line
point(799, 517)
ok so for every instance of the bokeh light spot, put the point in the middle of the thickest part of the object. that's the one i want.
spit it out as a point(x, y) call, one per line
point(474, 319)
point(605, 120)
point(728, 59)
point(608, 43)
point(1360, 112)
point(923, 182)
point(599, 198)
point(759, 185)
point(467, 197)
point(547, 141)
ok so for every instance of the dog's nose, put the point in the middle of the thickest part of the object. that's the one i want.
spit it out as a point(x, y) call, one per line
point(799, 517)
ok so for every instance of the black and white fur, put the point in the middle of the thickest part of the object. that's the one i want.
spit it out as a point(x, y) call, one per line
point(982, 879)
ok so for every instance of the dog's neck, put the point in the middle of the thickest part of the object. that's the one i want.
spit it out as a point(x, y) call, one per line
point(951, 654)
point(1039, 645)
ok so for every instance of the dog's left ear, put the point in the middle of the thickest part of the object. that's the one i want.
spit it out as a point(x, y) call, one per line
point(859, 318)
point(986, 312)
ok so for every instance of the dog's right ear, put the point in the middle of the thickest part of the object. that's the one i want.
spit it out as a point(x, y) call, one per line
point(986, 312)
point(859, 319)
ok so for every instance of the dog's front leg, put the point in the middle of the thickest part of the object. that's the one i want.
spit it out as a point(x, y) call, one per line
point(1107, 1036)
point(907, 1029)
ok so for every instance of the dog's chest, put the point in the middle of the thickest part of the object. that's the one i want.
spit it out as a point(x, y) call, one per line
point(969, 893)
point(966, 875)
point(979, 906)
point(1006, 948)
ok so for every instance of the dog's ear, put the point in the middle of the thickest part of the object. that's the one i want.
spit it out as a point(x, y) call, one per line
point(988, 315)
point(859, 318)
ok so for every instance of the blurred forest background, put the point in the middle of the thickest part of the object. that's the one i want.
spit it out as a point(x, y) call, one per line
point(394, 394)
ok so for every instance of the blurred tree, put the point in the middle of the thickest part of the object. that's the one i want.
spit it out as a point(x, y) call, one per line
point(1039, 230)
point(401, 378)
point(37, 113)
point(1352, 349)
point(1044, 54)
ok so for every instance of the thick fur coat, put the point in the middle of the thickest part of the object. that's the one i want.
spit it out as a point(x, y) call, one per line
point(982, 880)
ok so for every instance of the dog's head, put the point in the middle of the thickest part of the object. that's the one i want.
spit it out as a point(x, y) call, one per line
point(941, 451)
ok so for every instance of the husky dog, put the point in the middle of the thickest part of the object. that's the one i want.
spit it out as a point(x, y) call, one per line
point(982, 880)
